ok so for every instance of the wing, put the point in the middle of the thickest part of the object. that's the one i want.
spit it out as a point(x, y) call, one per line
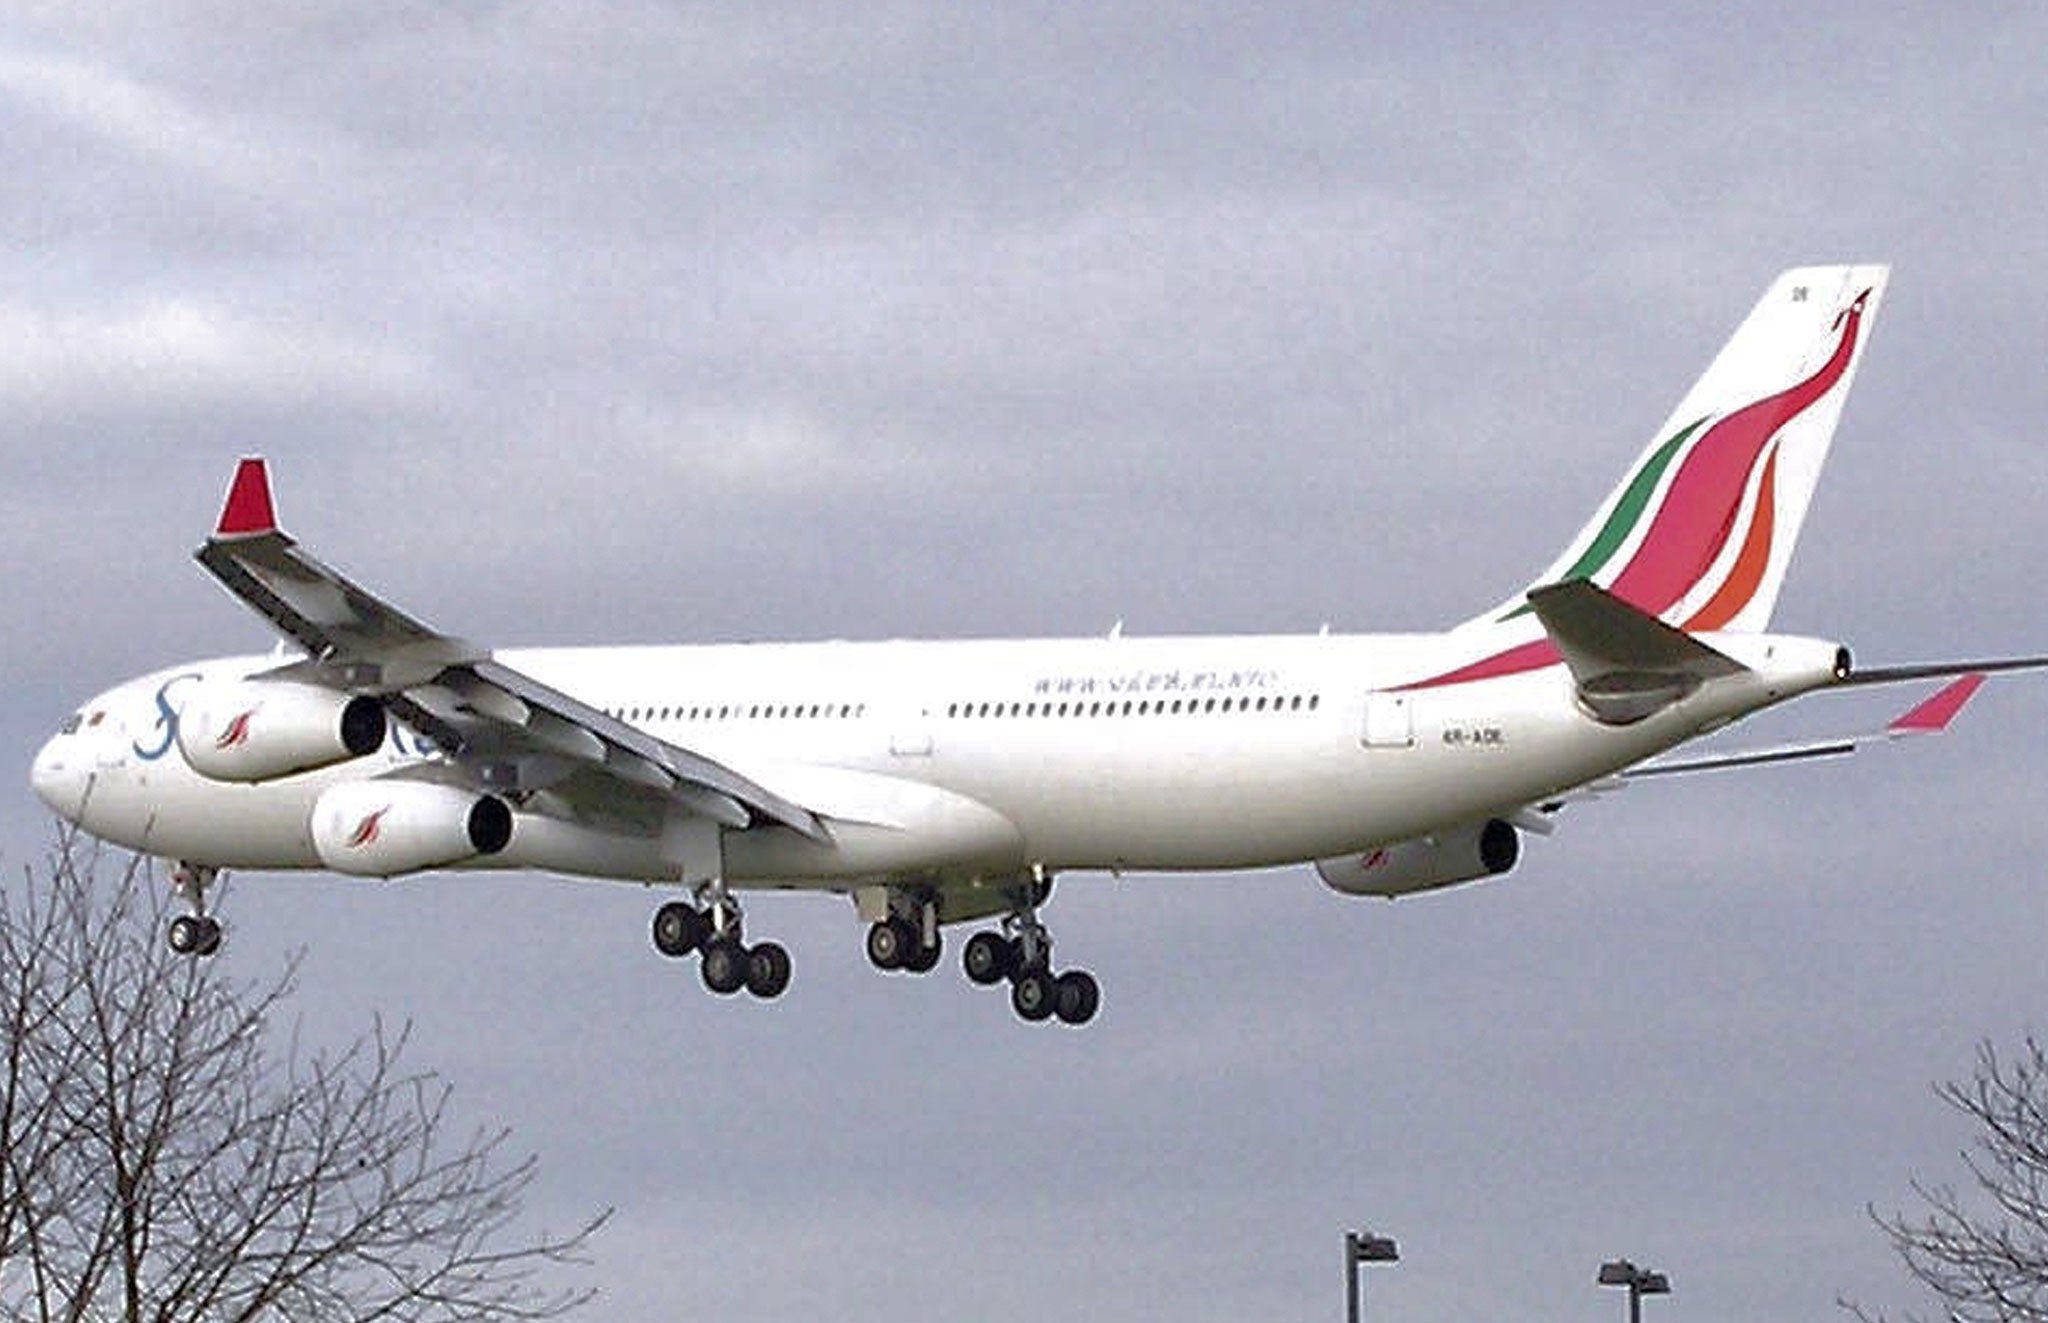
point(510, 731)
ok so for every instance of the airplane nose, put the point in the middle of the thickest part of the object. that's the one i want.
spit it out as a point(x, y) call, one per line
point(58, 777)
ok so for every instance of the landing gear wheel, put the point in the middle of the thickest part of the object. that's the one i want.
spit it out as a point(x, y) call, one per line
point(924, 959)
point(890, 944)
point(988, 958)
point(679, 928)
point(767, 971)
point(725, 966)
point(1076, 997)
point(1032, 995)
point(194, 935)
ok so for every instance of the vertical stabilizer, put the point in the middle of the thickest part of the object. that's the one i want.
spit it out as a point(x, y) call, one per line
point(1701, 529)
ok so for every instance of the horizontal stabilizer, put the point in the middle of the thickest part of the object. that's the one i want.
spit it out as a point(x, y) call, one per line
point(1930, 716)
point(1628, 664)
point(1943, 670)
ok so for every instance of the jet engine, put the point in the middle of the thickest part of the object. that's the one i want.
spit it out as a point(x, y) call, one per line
point(383, 828)
point(1443, 859)
point(257, 730)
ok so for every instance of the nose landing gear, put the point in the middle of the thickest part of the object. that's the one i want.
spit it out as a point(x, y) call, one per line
point(197, 933)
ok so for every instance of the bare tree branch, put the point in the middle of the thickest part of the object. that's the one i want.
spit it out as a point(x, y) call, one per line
point(1981, 1247)
point(163, 1157)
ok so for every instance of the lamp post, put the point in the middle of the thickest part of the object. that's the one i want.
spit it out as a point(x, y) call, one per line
point(1639, 1281)
point(1362, 1247)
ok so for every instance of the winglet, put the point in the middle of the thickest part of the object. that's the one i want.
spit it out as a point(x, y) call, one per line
point(1934, 714)
point(248, 512)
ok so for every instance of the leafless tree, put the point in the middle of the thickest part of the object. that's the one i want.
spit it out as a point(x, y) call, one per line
point(1981, 1246)
point(168, 1152)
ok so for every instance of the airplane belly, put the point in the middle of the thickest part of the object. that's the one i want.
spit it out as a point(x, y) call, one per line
point(880, 826)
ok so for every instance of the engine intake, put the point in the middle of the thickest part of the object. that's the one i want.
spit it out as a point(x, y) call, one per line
point(1462, 854)
point(384, 828)
point(259, 730)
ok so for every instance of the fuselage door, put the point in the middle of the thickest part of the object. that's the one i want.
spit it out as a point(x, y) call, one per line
point(910, 735)
point(1389, 720)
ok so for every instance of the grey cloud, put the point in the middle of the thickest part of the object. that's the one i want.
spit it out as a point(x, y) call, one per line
point(660, 321)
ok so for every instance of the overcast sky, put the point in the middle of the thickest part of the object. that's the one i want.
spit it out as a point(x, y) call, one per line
point(642, 322)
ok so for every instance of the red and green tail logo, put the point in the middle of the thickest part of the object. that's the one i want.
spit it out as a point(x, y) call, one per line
point(1725, 480)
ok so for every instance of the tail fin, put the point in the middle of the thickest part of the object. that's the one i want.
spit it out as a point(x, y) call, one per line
point(1700, 532)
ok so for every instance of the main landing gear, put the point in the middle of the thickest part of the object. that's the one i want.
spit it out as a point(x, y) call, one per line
point(197, 933)
point(1022, 953)
point(908, 939)
point(711, 930)
point(905, 938)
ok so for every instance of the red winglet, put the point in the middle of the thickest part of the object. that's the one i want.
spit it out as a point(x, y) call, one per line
point(248, 512)
point(1935, 713)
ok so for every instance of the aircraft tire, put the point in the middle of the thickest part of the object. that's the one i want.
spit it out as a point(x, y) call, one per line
point(1031, 996)
point(988, 958)
point(724, 966)
point(890, 943)
point(193, 935)
point(1076, 997)
point(924, 959)
point(767, 971)
point(679, 929)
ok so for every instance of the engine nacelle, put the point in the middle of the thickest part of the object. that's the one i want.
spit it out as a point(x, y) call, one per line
point(258, 730)
point(1427, 862)
point(383, 828)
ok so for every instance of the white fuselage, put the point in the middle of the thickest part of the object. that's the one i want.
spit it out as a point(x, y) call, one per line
point(1108, 753)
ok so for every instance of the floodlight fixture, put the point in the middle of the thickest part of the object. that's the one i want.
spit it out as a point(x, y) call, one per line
point(1639, 1281)
point(1362, 1247)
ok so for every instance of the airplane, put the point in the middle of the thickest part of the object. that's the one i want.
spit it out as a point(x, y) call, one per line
point(948, 782)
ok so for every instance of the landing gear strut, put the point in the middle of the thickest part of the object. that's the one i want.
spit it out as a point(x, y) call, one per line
point(197, 933)
point(1022, 953)
point(711, 929)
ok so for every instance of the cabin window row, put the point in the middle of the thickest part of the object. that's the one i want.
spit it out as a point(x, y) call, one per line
point(1140, 707)
point(742, 712)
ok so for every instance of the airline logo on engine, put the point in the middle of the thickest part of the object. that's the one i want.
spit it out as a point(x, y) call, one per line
point(237, 733)
point(367, 831)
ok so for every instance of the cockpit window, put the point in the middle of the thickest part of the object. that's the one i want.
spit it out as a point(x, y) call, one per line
point(71, 724)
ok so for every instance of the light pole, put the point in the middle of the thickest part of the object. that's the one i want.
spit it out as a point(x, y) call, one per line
point(1362, 1247)
point(1639, 1281)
